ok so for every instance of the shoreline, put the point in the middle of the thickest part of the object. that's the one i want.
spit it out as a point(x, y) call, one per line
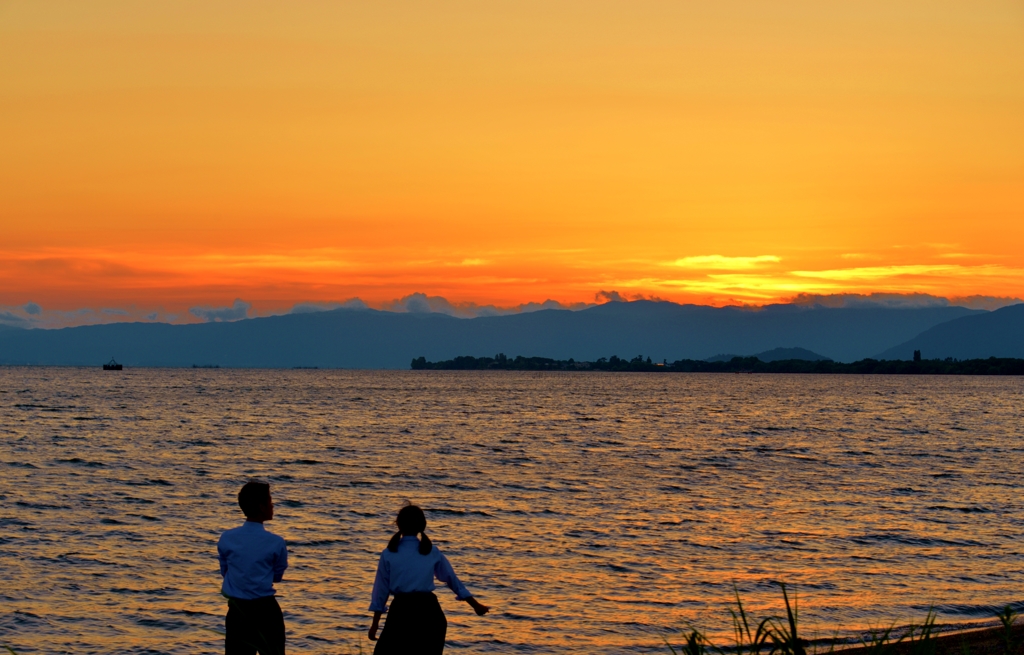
point(949, 366)
point(982, 638)
point(973, 640)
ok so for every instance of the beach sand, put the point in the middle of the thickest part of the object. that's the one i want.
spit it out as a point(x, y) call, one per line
point(986, 641)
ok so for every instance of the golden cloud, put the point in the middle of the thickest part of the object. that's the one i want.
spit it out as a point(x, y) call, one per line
point(723, 263)
point(882, 272)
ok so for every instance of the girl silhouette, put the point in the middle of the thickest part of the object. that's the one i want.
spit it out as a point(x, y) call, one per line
point(407, 569)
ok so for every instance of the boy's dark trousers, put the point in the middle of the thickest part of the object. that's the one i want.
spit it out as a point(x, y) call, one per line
point(254, 626)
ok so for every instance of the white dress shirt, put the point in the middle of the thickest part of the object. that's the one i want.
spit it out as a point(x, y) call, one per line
point(407, 571)
point(251, 561)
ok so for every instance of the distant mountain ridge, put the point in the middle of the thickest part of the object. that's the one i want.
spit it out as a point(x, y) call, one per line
point(777, 355)
point(992, 334)
point(363, 338)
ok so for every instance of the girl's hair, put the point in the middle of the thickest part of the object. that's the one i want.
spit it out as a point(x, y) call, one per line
point(411, 522)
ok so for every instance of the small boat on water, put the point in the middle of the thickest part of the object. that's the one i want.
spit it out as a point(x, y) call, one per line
point(112, 366)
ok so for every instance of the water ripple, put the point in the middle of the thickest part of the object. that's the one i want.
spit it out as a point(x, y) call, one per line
point(596, 513)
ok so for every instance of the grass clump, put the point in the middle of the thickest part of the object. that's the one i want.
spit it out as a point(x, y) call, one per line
point(880, 642)
point(922, 638)
point(780, 635)
point(783, 634)
point(747, 642)
point(770, 636)
point(1008, 617)
point(696, 644)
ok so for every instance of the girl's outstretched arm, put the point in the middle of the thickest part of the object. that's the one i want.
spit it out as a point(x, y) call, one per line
point(477, 606)
point(443, 571)
point(381, 591)
point(376, 624)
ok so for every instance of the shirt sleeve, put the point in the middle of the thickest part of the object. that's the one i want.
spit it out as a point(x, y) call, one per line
point(223, 557)
point(443, 571)
point(281, 562)
point(381, 587)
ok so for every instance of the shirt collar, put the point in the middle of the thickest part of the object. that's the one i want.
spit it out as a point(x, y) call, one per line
point(253, 525)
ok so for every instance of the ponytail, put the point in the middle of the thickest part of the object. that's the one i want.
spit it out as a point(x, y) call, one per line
point(425, 545)
point(395, 539)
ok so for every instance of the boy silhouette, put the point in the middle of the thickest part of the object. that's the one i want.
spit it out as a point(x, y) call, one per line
point(251, 561)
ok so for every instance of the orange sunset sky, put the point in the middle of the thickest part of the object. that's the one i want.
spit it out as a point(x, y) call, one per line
point(160, 155)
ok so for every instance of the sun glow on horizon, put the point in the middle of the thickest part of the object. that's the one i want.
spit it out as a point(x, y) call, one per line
point(174, 155)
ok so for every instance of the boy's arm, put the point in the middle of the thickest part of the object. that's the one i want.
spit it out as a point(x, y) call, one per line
point(222, 556)
point(281, 562)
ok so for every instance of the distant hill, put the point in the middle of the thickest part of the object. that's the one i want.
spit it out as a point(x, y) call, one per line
point(783, 354)
point(992, 334)
point(722, 357)
point(777, 355)
point(350, 338)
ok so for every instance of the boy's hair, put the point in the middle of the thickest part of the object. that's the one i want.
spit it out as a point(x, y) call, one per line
point(253, 496)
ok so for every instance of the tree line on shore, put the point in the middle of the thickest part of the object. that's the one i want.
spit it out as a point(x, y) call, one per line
point(948, 366)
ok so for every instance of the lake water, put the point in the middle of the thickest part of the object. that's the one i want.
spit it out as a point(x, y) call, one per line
point(595, 513)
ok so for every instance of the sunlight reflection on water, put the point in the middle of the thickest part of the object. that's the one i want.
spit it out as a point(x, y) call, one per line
point(594, 512)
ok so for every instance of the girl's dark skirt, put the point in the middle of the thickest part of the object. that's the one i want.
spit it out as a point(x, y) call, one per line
point(415, 626)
